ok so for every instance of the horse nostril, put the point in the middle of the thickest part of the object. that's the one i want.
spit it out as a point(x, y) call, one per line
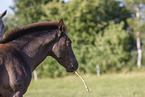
point(74, 67)
point(71, 65)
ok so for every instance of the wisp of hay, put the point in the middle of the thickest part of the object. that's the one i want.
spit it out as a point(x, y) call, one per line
point(83, 81)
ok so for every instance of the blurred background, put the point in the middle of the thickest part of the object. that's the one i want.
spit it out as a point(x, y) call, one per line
point(105, 33)
point(108, 39)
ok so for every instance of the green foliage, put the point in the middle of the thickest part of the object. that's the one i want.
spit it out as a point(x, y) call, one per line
point(111, 50)
point(112, 47)
point(136, 24)
point(95, 39)
point(50, 68)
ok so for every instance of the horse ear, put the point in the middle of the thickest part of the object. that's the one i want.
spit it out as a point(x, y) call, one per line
point(3, 14)
point(60, 26)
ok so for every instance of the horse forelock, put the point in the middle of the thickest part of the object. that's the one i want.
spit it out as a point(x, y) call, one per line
point(29, 29)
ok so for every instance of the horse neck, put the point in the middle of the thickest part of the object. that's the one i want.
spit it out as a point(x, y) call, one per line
point(35, 48)
point(1, 28)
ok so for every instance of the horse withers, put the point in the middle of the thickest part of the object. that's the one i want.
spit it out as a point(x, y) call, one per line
point(2, 24)
point(23, 49)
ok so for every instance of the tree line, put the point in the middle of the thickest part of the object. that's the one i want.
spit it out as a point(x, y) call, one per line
point(108, 33)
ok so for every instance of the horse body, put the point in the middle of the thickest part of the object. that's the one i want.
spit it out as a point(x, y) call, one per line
point(21, 54)
point(15, 75)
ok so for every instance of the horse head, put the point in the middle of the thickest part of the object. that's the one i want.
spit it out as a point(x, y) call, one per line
point(62, 50)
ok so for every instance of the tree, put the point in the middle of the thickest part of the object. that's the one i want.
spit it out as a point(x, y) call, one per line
point(29, 11)
point(112, 48)
point(85, 20)
point(136, 23)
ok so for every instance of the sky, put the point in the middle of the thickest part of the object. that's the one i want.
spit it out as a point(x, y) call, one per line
point(4, 5)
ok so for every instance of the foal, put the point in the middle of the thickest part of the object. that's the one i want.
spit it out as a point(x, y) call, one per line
point(22, 50)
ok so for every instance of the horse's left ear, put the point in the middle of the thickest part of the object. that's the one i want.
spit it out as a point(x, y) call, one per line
point(3, 14)
point(60, 26)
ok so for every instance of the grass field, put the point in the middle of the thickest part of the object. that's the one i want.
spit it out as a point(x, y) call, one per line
point(112, 85)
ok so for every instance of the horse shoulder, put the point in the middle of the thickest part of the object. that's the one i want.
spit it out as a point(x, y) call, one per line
point(15, 75)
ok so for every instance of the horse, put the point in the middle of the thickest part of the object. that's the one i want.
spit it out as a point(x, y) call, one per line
point(23, 49)
point(2, 24)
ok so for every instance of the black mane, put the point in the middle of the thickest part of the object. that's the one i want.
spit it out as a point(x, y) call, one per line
point(19, 32)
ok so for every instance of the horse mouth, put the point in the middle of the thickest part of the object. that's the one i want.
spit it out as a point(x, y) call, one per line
point(72, 67)
point(70, 70)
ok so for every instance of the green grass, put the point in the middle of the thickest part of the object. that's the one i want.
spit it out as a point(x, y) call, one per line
point(112, 85)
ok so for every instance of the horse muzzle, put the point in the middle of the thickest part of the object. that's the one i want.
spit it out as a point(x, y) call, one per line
point(72, 67)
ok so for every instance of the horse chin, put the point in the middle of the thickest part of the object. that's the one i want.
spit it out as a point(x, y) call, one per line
point(69, 70)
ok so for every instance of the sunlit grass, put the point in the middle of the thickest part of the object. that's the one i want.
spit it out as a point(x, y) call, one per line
point(112, 85)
